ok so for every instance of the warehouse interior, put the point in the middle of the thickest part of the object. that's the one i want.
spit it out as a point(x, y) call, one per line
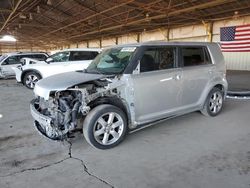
point(187, 151)
point(54, 25)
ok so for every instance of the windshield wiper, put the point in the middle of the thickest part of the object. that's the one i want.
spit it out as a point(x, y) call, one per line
point(95, 71)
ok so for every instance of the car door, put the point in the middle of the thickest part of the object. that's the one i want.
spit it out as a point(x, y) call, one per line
point(157, 87)
point(197, 68)
point(57, 64)
point(8, 63)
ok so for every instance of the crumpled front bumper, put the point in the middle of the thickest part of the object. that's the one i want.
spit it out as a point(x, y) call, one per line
point(44, 124)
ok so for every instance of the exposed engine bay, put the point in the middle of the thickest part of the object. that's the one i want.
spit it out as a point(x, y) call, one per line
point(65, 108)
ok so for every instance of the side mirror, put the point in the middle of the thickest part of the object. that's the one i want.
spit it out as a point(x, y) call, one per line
point(49, 60)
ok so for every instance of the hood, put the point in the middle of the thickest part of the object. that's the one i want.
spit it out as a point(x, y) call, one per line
point(62, 82)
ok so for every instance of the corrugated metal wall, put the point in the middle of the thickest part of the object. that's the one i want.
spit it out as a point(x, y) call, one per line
point(198, 33)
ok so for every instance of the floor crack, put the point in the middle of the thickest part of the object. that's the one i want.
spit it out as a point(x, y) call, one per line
point(85, 168)
point(34, 169)
point(90, 174)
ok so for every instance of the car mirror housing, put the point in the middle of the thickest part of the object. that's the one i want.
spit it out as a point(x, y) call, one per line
point(49, 60)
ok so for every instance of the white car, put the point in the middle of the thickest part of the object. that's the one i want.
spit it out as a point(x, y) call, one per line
point(64, 61)
point(9, 60)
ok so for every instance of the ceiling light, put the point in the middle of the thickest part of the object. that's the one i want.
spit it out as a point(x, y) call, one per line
point(236, 15)
point(147, 17)
point(7, 38)
point(30, 16)
point(49, 2)
point(38, 10)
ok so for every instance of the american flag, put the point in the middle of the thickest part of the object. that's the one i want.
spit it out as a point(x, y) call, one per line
point(235, 38)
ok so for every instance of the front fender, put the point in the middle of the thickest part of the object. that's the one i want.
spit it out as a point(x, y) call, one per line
point(29, 70)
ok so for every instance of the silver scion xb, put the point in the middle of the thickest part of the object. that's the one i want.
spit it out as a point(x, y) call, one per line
point(130, 86)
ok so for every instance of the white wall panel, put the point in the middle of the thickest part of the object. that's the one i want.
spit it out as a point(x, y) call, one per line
point(237, 60)
point(73, 46)
point(126, 39)
point(191, 39)
point(155, 35)
point(108, 42)
point(187, 32)
point(82, 45)
point(94, 44)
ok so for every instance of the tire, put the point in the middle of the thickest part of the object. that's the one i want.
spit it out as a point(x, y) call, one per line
point(30, 79)
point(214, 103)
point(101, 133)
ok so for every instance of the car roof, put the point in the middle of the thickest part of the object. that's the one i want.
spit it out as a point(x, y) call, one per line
point(159, 43)
point(82, 49)
point(23, 53)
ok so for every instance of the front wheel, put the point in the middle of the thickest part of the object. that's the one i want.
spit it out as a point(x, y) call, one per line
point(30, 79)
point(214, 103)
point(105, 126)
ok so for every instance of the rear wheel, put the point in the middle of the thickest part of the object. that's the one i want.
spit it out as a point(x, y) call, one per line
point(105, 126)
point(214, 103)
point(30, 79)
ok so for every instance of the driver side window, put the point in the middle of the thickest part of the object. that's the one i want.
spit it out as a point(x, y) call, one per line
point(12, 60)
point(157, 58)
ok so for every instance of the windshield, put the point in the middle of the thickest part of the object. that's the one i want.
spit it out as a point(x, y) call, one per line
point(112, 61)
point(60, 56)
point(2, 57)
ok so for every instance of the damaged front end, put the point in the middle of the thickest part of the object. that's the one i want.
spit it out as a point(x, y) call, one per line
point(59, 115)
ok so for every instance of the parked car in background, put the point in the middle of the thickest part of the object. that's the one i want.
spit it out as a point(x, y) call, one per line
point(64, 61)
point(129, 86)
point(7, 61)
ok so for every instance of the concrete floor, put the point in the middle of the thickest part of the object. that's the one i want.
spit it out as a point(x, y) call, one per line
point(191, 151)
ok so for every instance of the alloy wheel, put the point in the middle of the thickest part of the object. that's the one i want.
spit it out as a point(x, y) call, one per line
point(31, 80)
point(108, 128)
point(215, 102)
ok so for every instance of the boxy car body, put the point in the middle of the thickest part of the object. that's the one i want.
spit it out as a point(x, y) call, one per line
point(129, 86)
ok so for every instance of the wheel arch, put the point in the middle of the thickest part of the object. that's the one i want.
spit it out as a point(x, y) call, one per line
point(217, 82)
point(220, 86)
point(112, 100)
point(29, 70)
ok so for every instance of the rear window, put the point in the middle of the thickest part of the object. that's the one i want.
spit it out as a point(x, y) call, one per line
point(83, 55)
point(194, 56)
point(40, 57)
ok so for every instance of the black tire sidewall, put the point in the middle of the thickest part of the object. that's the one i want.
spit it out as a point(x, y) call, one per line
point(91, 119)
point(30, 73)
